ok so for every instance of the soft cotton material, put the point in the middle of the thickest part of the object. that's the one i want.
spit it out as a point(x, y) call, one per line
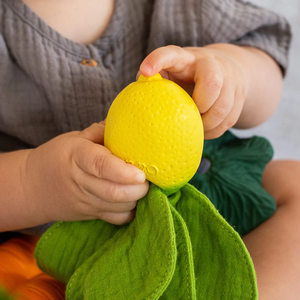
point(233, 179)
point(46, 90)
point(175, 248)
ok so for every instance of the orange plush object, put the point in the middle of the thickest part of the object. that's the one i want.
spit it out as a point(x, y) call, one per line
point(41, 287)
point(19, 275)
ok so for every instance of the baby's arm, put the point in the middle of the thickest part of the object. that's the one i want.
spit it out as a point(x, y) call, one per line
point(72, 177)
point(231, 85)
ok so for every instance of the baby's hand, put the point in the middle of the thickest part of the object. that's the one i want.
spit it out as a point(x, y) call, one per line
point(73, 177)
point(213, 77)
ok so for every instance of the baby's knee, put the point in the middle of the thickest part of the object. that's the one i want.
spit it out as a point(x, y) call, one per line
point(281, 179)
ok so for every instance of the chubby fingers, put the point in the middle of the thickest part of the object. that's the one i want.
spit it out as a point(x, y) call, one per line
point(118, 218)
point(109, 201)
point(216, 80)
point(214, 97)
point(106, 180)
point(109, 188)
point(169, 58)
point(219, 93)
point(211, 91)
point(98, 161)
point(111, 191)
point(220, 117)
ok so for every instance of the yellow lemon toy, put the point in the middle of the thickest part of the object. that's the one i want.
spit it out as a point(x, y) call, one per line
point(155, 125)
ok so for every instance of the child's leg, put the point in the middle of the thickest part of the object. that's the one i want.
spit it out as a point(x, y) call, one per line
point(275, 244)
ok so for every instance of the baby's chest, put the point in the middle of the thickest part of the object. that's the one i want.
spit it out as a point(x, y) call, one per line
point(78, 20)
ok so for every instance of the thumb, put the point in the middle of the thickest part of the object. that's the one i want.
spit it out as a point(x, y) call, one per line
point(95, 132)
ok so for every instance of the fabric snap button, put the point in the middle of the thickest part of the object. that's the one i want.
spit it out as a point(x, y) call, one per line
point(89, 63)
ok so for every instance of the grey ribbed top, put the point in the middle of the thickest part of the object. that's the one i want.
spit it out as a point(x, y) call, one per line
point(46, 91)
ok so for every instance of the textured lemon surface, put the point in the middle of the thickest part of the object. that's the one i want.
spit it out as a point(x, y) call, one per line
point(155, 125)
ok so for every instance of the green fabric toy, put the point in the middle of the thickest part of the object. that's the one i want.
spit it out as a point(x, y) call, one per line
point(177, 247)
point(232, 179)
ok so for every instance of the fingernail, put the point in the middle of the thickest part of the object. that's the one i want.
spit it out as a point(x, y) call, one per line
point(147, 68)
point(140, 178)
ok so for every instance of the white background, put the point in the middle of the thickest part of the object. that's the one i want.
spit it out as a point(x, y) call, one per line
point(283, 128)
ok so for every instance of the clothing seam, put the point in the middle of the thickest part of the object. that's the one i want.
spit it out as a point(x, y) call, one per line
point(186, 256)
point(75, 99)
point(170, 259)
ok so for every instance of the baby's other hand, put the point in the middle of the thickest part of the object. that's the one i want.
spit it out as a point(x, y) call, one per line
point(213, 77)
point(75, 177)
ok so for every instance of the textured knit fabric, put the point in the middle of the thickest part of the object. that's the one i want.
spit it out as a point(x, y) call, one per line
point(44, 89)
point(176, 248)
point(233, 181)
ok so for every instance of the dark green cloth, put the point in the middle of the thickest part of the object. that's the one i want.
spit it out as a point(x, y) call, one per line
point(177, 247)
point(233, 181)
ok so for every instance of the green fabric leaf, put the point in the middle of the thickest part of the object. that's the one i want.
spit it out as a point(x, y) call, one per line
point(223, 267)
point(182, 252)
point(233, 181)
point(121, 266)
point(184, 276)
point(73, 244)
